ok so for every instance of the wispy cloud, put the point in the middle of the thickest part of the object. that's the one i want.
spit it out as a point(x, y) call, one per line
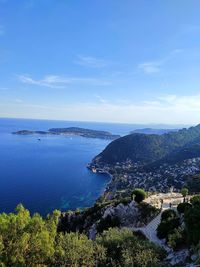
point(2, 30)
point(91, 62)
point(57, 81)
point(101, 99)
point(175, 102)
point(150, 67)
point(155, 66)
point(163, 109)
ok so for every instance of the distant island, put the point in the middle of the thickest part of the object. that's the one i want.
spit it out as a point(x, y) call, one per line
point(88, 133)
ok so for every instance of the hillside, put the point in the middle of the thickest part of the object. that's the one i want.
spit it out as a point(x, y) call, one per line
point(153, 131)
point(150, 148)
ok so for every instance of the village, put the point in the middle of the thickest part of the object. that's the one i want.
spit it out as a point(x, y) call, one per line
point(128, 175)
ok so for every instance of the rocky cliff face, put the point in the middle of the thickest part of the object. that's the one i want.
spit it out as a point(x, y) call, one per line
point(126, 215)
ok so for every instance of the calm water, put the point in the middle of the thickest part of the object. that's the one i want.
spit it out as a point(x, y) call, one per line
point(51, 173)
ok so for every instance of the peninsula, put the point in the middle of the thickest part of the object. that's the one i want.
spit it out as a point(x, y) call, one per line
point(88, 133)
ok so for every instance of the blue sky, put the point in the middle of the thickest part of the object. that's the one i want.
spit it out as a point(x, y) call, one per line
point(135, 61)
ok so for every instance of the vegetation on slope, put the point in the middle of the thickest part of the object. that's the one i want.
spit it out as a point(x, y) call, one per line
point(181, 229)
point(35, 242)
point(150, 148)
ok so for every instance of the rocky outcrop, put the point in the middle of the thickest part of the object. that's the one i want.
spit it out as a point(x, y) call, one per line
point(127, 215)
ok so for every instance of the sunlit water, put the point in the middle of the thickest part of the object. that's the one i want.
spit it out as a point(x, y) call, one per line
point(51, 173)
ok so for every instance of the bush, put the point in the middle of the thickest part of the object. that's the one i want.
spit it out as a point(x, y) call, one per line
point(125, 249)
point(107, 222)
point(139, 195)
point(167, 227)
point(177, 239)
point(184, 192)
point(195, 200)
point(183, 206)
point(33, 241)
point(76, 250)
point(192, 223)
point(168, 215)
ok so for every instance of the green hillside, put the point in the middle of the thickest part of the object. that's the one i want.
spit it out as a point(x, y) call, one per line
point(150, 148)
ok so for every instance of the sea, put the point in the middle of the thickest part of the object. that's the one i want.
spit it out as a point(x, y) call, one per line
point(51, 173)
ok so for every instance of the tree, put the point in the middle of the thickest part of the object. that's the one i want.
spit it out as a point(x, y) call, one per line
point(195, 200)
point(192, 223)
point(168, 215)
point(139, 195)
point(167, 227)
point(33, 241)
point(125, 249)
point(26, 240)
point(184, 192)
point(183, 206)
point(177, 238)
point(76, 250)
point(107, 222)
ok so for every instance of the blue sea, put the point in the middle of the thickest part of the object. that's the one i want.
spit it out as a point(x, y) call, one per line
point(51, 173)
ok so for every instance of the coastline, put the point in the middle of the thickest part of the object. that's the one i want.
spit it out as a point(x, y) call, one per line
point(107, 191)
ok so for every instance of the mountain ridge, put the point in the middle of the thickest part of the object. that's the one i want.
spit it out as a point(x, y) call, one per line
point(150, 148)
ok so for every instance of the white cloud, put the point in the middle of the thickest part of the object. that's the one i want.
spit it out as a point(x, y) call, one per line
point(101, 99)
point(150, 67)
point(155, 66)
point(57, 81)
point(166, 109)
point(91, 62)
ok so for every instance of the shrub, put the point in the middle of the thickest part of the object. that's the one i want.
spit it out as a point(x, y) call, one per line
point(192, 223)
point(183, 206)
point(125, 249)
point(195, 200)
point(184, 192)
point(107, 222)
point(177, 238)
point(167, 227)
point(139, 195)
point(168, 215)
point(76, 250)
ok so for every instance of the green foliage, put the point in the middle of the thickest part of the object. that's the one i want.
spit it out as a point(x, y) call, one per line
point(125, 249)
point(35, 242)
point(75, 249)
point(192, 222)
point(184, 192)
point(183, 206)
point(139, 195)
point(173, 147)
point(167, 227)
point(168, 215)
point(195, 200)
point(26, 240)
point(177, 239)
point(146, 212)
point(107, 222)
